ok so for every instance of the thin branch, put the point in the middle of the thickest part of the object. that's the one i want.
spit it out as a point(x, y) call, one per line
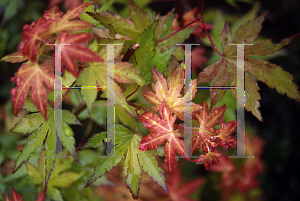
point(133, 92)
point(200, 8)
point(172, 34)
point(68, 90)
point(130, 52)
point(211, 41)
point(138, 107)
point(134, 126)
point(79, 108)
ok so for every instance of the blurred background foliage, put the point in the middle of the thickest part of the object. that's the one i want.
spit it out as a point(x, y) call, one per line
point(281, 179)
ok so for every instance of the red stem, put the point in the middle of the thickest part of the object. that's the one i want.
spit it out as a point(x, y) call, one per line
point(200, 6)
point(211, 41)
point(133, 92)
point(172, 34)
point(134, 127)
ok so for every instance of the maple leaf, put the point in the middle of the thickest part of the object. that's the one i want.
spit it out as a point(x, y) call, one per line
point(181, 192)
point(134, 160)
point(169, 90)
point(224, 138)
point(225, 165)
point(96, 73)
point(162, 131)
point(269, 73)
point(53, 13)
point(63, 23)
point(81, 53)
point(116, 24)
point(139, 17)
point(208, 159)
point(60, 176)
point(207, 120)
point(244, 178)
point(149, 55)
point(40, 130)
point(208, 137)
point(33, 35)
point(38, 32)
point(36, 78)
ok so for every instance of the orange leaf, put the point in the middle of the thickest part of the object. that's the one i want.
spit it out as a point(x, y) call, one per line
point(169, 90)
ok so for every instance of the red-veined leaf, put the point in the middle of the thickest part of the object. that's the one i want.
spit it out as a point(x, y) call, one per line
point(64, 23)
point(162, 131)
point(35, 78)
point(169, 90)
point(33, 34)
point(74, 49)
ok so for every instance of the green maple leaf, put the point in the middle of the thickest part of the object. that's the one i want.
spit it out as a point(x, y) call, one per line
point(60, 177)
point(135, 160)
point(96, 73)
point(139, 17)
point(40, 130)
point(271, 74)
point(164, 25)
point(147, 33)
point(91, 8)
point(115, 23)
point(145, 53)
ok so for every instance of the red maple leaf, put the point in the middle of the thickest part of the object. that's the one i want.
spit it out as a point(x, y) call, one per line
point(162, 131)
point(53, 21)
point(208, 159)
point(74, 49)
point(64, 24)
point(208, 137)
point(53, 13)
point(179, 192)
point(34, 77)
point(224, 139)
point(245, 178)
point(33, 35)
